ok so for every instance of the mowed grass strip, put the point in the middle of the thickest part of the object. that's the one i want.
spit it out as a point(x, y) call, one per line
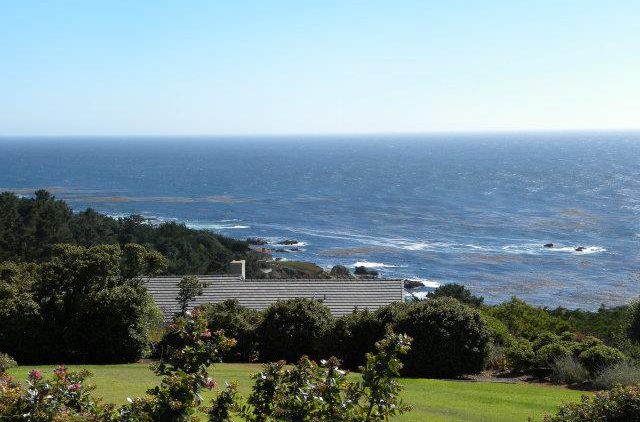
point(432, 400)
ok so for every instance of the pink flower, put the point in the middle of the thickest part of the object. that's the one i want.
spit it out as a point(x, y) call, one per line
point(210, 384)
point(206, 334)
point(60, 371)
point(35, 375)
point(195, 313)
point(74, 387)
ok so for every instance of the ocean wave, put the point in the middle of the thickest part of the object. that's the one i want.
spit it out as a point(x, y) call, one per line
point(537, 248)
point(368, 264)
point(216, 226)
point(428, 283)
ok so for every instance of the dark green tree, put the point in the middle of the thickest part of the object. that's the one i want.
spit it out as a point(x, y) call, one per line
point(189, 288)
point(458, 292)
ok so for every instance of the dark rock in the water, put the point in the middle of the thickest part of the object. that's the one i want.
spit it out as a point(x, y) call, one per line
point(340, 271)
point(281, 250)
point(288, 242)
point(364, 272)
point(412, 284)
point(580, 249)
point(294, 249)
point(548, 245)
point(256, 241)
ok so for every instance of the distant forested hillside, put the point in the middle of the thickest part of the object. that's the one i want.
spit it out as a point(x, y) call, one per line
point(29, 227)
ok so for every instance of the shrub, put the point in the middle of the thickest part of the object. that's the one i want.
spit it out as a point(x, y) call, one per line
point(520, 355)
point(238, 323)
point(322, 393)
point(549, 353)
point(71, 307)
point(390, 314)
point(633, 315)
point(586, 343)
point(526, 321)
point(623, 373)
point(66, 396)
point(6, 362)
point(353, 336)
point(544, 339)
point(598, 357)
point(498, 332)
point(458, 292)
point(293, 328)
point(449, 338)
point(618, 405)
point(568, 370)
point(497, 358)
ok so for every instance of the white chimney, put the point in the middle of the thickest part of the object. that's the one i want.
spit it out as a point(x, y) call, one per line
point(237, 268)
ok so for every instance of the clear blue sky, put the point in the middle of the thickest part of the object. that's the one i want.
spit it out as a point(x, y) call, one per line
point(237, 67)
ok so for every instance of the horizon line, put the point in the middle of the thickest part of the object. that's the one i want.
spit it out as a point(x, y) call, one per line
point(329, 134)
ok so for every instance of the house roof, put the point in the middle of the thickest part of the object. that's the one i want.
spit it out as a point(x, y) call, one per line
point(340, 296)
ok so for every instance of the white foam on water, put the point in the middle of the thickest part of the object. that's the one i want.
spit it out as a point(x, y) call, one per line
point(205, 226)
point(368, 264)
point(430, 284)
point(537, 248)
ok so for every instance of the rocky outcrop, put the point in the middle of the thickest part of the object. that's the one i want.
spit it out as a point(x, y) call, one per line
point(548, 245)
point(341, 272)
point(288, 242)
point(365, 273)
point(412, 284)
point(257, 241)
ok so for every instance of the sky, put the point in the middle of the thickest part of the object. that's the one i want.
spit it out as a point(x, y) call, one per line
point(317, 67)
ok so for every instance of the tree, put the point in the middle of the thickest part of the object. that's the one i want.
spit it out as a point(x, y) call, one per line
point(81, 305)
point(458, 292)
point(293, 328)
point(189, 287)
point(449, 338)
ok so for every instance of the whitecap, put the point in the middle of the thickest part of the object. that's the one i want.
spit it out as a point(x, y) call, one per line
point(538, 248)
point(428, 283)
point(368, 264)
point(205, 226)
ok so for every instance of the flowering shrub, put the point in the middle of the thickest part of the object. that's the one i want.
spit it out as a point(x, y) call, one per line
point(184, 372)
point(617, 405)
point(322, 393)
point(6, 362)
point(306, 392)
point(65, 396)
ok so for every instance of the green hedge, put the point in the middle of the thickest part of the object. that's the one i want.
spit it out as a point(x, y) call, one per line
point(449, 339)
point(293, 328)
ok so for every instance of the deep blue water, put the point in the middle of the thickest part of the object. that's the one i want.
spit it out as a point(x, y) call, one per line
point(473, 209)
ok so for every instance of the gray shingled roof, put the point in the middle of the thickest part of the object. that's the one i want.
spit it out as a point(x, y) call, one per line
point(341, 296)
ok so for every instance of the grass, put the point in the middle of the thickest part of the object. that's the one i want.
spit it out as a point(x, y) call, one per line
point(432, 400)
point(308, 267)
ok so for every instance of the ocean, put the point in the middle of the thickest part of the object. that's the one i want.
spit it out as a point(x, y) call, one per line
point(475, 209)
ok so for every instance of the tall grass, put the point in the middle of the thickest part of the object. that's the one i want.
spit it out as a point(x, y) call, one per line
point(568, 370)
point(624, 373)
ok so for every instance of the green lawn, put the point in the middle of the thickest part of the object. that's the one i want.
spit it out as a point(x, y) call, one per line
point(432, 400)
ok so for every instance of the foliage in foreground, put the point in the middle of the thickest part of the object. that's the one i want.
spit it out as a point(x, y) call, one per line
point(322, 393)
point(72, 306)
point(622, 404)
point(307, 391)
